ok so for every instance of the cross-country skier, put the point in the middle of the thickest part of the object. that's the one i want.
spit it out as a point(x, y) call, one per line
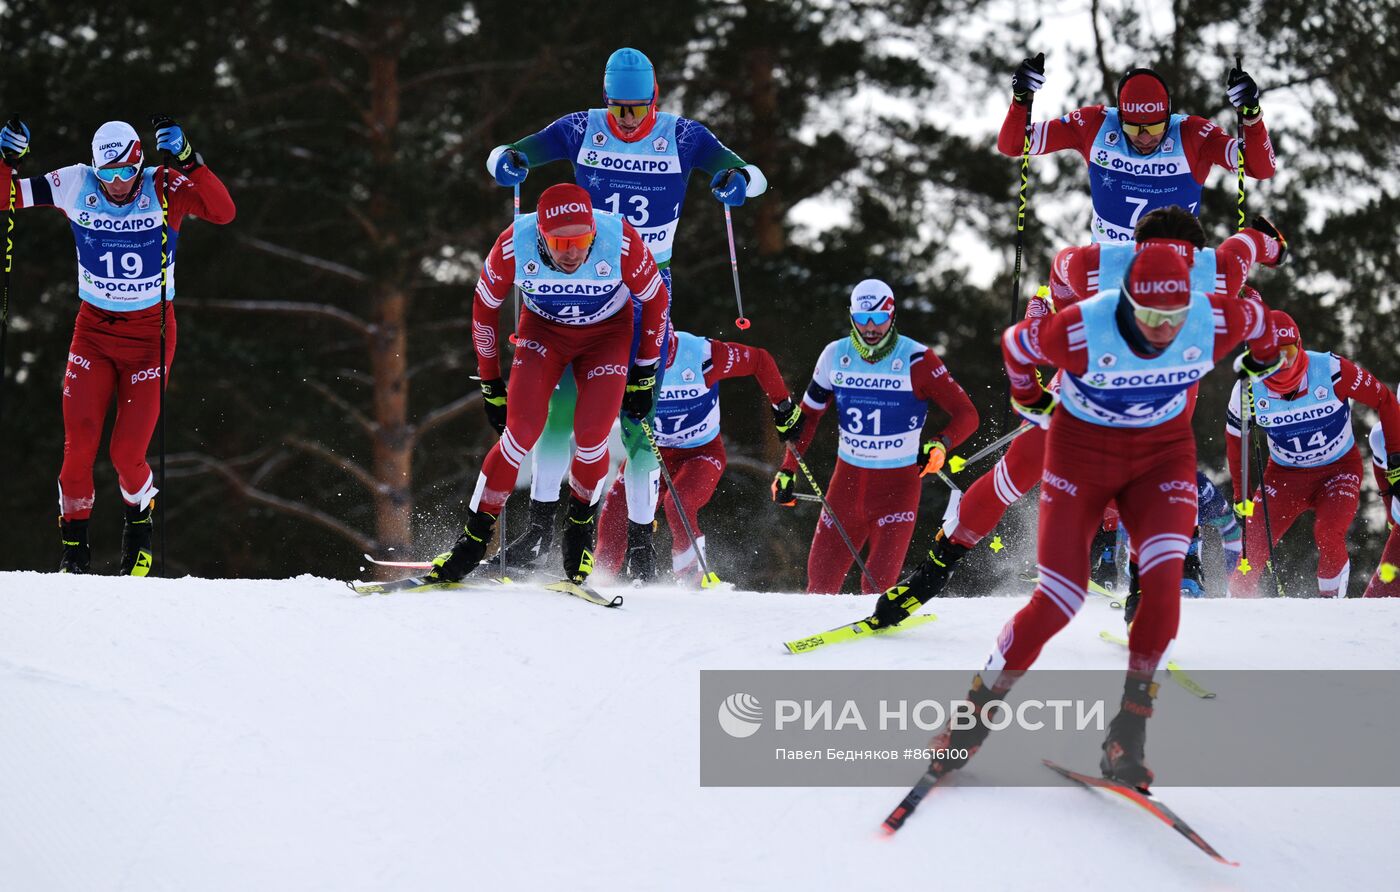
point(1314, 463)
point(1141, 156)
point(1076, 274)
point(1119, 430)
point(114, 207)
point(634, 161)
point(688, 433)
point(1385, 582)
point(882, 382)
point(578, 271)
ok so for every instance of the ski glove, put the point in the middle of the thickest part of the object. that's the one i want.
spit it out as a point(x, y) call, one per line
point(933, 454)
point(730, 186)
point(787, 418)
point(1392, 471)
point(1038, 411)
point(1029, 78)
point(1262, 224)
point(1243, 93)
point(511, 168)
point(171, 138)
point(641, 391)
point(1247, 366)
point(784, 489)
point(14, 140)
point(493, 400)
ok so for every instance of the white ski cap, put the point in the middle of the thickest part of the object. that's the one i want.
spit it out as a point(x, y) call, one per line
point(872, 296)
point(115, 142)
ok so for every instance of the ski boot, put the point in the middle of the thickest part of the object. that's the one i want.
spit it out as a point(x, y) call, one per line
point(524, 550)
point(926, 582)
point(76, 553)
point(954, 747)
point(1130, 603)
point(580, 528)
point(467, 551)
point(1193, 580)
point(136, 540)
point(640, 562)
point(1125, 748)
point(1103, 566)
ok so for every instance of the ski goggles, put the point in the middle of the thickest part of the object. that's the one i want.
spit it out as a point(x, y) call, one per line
point(558, 244)
point(1289, 352)
point(1150, 129)
point(876, 317)
point(1153, 317)
point(622, 109)
point(112, 174)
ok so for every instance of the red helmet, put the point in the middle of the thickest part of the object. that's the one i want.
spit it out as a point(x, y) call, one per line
point(562, 205)
point(1143, 97)
point(1285, 329)
point(1157, 278)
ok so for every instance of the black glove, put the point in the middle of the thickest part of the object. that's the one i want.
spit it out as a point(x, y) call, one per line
point(493, 400)
point(1262, 224)
point(170, 138)
point(14, 140)
point(785, 489)
point(1246, 366)
point(788, 419)
point(1243, 93)
point(1029, 77)
point(641, 391)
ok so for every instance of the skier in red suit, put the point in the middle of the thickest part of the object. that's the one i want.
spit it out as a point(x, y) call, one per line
point(1119, 430)
point(578, 270)
point(1314, 463)
point(688, 434)
point(114, 207)
point(1385, 582)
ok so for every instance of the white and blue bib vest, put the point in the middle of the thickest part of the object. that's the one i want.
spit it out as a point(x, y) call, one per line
point(687, 412)
point(642, 181)
point(1125, 185)
point(881, 419)
point(1315, 428)
point(589, 294)
point(1120, 388)
point(1114, 258)
point(119, 246)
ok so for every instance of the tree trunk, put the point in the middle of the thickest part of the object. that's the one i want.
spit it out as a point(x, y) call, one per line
point(763, 100)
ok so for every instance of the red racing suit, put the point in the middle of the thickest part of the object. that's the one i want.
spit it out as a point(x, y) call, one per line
point(116, 352)
point(599, 352)
point(1149, 471)
point(1385, 582)
point(695, 471)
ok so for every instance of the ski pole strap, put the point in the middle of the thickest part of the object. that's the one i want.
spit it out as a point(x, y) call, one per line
point(742, 322)
point(707, 579)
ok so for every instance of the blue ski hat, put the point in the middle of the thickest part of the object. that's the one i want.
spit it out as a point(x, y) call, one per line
point(629, 76)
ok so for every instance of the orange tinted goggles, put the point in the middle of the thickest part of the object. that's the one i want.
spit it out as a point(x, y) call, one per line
point(559, 243)
point(636, 110)
point(1151, 129)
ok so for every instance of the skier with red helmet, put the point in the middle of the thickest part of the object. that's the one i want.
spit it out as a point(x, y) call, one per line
point(579, 271)
point(1141, 155)
point(1119, 430)
point(635, 161)
point(114, 207)
point(1314, 463)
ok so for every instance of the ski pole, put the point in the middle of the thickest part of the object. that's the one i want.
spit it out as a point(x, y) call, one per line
point(956, 462)
point(1268, 530)
point(164, 277)
point(835, 521)
point(1239, 155)
point(1245, 507)
point(742, 322)
point(5, 287)
point(707, 579)
point(1023, 201)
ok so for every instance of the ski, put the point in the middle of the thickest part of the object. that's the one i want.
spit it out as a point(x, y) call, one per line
point(1174, 669)
point(420, 584)
point(1113, 600)
point(587, 593)
point(852, 631)
point(1146, 802)
point(911, 801)
point(407, 565)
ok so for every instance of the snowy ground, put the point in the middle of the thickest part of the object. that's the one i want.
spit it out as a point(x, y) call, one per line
point(222, 734)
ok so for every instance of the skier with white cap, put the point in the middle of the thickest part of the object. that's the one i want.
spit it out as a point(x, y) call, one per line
point(115, 209)
point(883, 383)
point(634, 161)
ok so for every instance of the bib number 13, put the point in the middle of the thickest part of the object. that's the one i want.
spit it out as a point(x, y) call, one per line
point(638, 215)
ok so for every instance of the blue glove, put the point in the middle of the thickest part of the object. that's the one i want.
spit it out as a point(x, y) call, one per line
point(170, 138)
point(14, 139)
point(730, 186)
point(511, 168)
